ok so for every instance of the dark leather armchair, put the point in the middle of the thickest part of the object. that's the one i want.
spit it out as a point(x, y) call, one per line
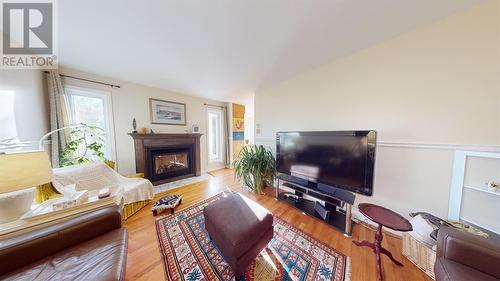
point(465, 256)
point(92, 246)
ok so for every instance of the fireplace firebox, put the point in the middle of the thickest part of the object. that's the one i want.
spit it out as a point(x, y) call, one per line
point(167, 157)
point(165, 163)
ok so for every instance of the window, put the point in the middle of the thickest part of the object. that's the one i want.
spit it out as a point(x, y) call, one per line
point(215, 135)
point(92, 107)
point(7, 116)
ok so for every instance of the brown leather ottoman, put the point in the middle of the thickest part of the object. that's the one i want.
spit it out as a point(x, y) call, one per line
point(240, 228)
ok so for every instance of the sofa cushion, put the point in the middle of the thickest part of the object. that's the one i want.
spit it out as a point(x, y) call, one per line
point(29, 247)
point(236, 223)
point(447, 270)
point(102, 258)
point(474, 251)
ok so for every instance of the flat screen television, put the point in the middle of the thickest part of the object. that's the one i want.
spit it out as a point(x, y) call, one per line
point(342, 159)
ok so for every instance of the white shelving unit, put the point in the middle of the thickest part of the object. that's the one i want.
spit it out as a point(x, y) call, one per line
point(459, 186)
point(481, 189)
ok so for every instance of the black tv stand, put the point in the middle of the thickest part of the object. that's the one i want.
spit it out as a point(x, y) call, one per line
point(339, 218)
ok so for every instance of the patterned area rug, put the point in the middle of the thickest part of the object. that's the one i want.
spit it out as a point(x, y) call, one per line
point(188, 253)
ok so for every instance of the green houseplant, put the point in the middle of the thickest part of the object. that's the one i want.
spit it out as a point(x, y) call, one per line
point(255, 166)
point(85, 145)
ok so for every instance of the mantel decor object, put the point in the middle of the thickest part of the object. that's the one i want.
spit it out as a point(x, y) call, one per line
point(134, 126)
point(144, 131)
point(196, 128)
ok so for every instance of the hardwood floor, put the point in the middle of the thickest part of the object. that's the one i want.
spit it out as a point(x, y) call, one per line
point(144, 260)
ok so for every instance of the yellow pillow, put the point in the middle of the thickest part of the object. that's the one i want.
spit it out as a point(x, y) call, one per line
point(45, 192)
point(110, 163)
point(136, 175)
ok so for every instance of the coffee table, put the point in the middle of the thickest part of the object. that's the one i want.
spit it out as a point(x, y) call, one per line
point(383, 217)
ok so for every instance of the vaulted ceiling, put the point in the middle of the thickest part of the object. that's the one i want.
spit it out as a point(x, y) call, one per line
point(226, 49)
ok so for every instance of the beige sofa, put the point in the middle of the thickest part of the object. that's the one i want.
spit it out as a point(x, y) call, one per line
point(137, 192)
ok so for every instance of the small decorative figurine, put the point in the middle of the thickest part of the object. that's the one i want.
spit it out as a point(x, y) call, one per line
point(493, 186)
point(134, 126)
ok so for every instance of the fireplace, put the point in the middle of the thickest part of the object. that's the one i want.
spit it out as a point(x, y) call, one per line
point(167, 157)
point(165, 163)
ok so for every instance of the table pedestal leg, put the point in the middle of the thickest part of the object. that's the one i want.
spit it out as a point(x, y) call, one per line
point(378, 245)
point(377, 248)
point(388, 254)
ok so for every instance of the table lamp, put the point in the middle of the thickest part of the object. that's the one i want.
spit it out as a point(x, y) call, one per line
point(19, 174)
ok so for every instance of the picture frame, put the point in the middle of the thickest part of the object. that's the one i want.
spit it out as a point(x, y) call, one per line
point(167, 112)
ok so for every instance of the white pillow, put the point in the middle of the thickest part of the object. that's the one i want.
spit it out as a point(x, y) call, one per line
point(422, 230)
point(67, 190)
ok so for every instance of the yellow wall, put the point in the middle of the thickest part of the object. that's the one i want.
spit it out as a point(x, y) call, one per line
point(438, 84)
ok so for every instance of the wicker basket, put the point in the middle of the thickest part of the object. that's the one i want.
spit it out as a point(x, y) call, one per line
point(420, 254)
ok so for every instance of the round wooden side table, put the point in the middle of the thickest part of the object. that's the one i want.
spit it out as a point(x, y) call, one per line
point(383, 217)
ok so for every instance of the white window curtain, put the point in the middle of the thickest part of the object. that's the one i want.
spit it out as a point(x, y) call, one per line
point(227, 132)
point(59, 116)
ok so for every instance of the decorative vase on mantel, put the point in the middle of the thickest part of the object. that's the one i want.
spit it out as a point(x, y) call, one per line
point(134, 126)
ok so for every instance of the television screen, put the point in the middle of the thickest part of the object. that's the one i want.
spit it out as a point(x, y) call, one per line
point(342, 159)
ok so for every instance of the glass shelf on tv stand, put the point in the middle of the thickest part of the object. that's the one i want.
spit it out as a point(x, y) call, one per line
point(340, 219)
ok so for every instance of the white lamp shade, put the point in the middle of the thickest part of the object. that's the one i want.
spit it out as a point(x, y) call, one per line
point(23, 170)
point(15, 204)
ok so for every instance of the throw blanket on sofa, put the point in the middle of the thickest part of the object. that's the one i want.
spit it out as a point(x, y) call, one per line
point(95, 176)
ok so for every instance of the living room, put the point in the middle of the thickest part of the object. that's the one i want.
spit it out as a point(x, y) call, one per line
point(319, 140)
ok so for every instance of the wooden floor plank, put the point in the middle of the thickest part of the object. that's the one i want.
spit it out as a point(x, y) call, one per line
point(144, 257)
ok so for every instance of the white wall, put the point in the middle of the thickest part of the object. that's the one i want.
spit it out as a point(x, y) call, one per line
point(439, 84)
point(30, 102)
point(249, 121)
point(132, 101)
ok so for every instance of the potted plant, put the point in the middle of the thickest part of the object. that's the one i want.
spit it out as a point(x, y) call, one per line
point(85, 145)
point(255, 166)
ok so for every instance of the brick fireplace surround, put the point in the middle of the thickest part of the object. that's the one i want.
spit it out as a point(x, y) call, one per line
point(150, 148)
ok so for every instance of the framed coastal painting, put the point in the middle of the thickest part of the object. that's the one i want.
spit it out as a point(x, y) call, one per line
point(167, 112)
